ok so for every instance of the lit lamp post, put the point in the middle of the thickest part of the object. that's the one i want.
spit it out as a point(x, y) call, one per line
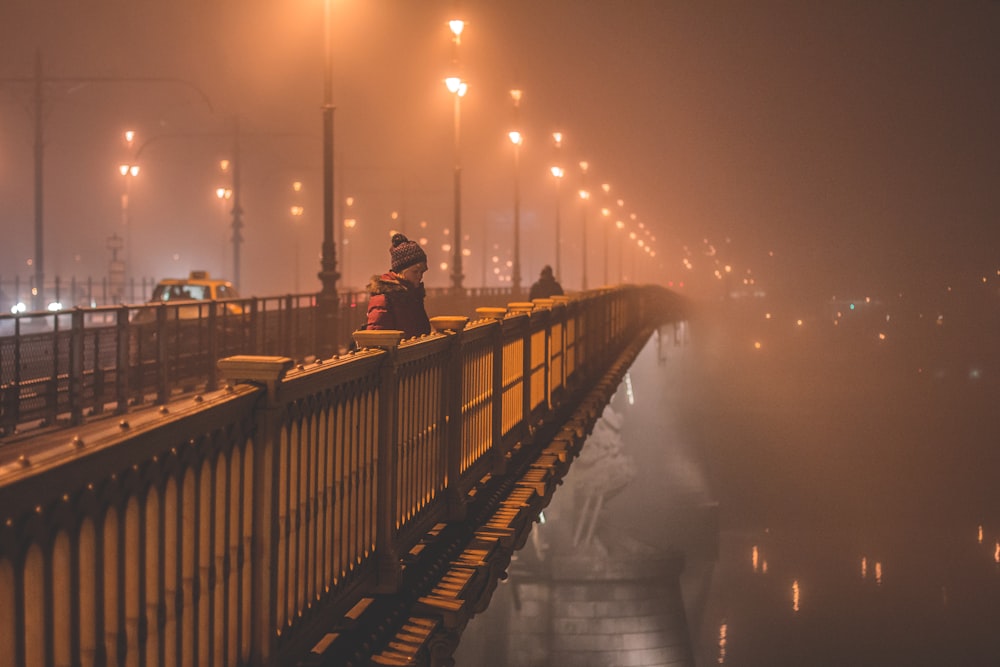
point(584, 196)
point(558, 173)
point(607, 222)
point(606, 214)
point(349, 224)
point(621, 228)
point(458, 88)
point(224, 195)
point(327, 301)
point(296, 212)
point(517, 140)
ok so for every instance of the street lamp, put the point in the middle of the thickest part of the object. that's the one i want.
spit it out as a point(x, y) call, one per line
point(558, 173)
point(517, 140)
point(621, 226)
point(327, 301)
point(224, 194)
point(458, 88)
point(128, 171)
point(584, 196)
point(350, 223)
point(296, 212)
point(606, 213)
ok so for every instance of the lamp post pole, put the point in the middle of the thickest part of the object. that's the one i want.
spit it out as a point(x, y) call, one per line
point(458, 88)
point(517, 140)
point(557, 172)
point(607, 221)
point(584, 196)
point(327, 301)
point(128, 171)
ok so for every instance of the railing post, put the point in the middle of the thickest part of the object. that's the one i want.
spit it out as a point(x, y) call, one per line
point(499, 450)
point(162, 352)
point(453, 408)
point(496, 419)
point(76, 367)
point(386, 550)
point(213, 345)
point(267, 372)
point(122, 337)
point(255, 336)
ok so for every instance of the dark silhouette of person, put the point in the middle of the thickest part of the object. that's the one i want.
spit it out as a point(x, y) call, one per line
point(546, 286)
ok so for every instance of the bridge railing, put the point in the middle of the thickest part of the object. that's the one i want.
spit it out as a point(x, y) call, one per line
point(65, 366)
point(231, 528)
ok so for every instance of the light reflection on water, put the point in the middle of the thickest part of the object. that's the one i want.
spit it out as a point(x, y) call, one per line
point(858, 521)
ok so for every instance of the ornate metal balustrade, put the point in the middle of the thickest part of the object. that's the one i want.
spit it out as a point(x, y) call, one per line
point(66, 366)
point(237, 527)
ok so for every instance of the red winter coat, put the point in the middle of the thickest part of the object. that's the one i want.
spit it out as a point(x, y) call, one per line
point(397, 304)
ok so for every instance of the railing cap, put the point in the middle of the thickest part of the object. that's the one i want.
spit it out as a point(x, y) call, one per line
point(443, 323)
point(387, 339)
point(520, 306)
point(490, 312)
point(253, 368)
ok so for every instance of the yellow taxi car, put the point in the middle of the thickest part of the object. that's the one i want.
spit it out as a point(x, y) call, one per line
point(189, 294)
point(198, 286)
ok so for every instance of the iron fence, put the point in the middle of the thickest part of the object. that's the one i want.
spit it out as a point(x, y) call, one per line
point(65, 366)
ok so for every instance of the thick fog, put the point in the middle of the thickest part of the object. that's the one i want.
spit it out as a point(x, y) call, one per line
point(814, 149)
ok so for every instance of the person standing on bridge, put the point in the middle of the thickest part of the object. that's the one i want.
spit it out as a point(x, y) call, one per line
point(396, 298)
point(546, 285)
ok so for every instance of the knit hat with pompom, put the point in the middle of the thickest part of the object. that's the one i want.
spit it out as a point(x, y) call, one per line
point(405, 253)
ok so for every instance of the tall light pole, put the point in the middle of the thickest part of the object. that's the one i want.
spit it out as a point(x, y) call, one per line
point(621, 234)
point(224, 194)
point(607, 222)
point(558, 173)
point(128, 171)
point(517, 140)
point(458, 88)
point(350, 222)
point(296, 210)
point(327, 301)
point(584, 196)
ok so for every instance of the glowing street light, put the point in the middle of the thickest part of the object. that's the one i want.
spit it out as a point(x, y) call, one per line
point(458, 88)
point(558, 173)
point(584, 196)
point(327, 301)
point(128, 171)
point(516, 139)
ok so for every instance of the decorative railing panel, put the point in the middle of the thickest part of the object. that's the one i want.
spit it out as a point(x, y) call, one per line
point(479, 344)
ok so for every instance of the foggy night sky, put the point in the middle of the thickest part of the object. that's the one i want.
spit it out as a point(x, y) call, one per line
point(856, 140)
